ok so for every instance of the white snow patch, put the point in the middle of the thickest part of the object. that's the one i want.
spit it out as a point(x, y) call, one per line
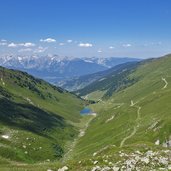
point(88, 61)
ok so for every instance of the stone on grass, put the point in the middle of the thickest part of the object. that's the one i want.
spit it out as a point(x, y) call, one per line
point(95, 162)
point(115, 168)
point(96, 168)
point(63, 168)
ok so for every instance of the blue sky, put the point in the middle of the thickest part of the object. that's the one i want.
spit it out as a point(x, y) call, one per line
point(135, 28)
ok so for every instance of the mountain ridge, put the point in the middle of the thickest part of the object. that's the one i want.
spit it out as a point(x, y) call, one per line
point(54, 68)
point(36, 118)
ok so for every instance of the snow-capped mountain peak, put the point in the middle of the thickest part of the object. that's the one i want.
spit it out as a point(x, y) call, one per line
point(59, 67)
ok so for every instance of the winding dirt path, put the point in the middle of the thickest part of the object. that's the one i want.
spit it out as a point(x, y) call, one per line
point(139, 116)
point(134, 129)
point(111, 118)
point(166, 83)
point(133, 103)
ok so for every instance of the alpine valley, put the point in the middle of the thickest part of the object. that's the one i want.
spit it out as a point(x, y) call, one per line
point(85, 85)
point(127, 126)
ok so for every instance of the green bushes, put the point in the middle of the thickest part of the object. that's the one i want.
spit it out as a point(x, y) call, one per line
point(59, 152)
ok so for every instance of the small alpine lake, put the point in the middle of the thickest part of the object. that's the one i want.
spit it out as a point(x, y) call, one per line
point(86, 111)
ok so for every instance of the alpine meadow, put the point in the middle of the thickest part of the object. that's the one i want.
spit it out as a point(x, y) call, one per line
point(85, 85)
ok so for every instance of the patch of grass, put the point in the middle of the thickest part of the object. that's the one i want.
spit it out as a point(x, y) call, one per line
point(38, 118)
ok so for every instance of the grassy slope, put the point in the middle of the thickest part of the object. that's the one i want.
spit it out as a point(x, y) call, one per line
point(117, 121)
point(38, 118)
point(153, 122)
point(114, 79)
point(78, 83)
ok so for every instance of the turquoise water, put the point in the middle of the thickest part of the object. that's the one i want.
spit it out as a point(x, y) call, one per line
point(86, 111)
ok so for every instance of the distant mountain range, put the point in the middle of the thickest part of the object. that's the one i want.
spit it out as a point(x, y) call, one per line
point(55, 69)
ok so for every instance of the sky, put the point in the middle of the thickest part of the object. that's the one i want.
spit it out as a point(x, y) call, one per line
point(86, 28)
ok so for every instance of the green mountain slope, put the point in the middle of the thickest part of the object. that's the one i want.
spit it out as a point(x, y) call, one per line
point(37, 119)
point(75, 84)
point(136, 117)
point(111, 80)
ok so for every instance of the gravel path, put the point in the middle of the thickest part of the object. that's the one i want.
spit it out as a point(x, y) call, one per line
point(166, 83)
point(134, 129)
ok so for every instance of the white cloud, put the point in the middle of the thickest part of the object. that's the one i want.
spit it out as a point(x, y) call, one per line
point(69, 41)
point(85, 45)
point(127, 45)
point(3, 44)
point(12, 45)
point(61, 44)
point(99, 51)
point(25, 50)
point(28, 44)
point(48, 40)
point(41, 49)
point(153, 44)
point(3, 40)
point(111, 47)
